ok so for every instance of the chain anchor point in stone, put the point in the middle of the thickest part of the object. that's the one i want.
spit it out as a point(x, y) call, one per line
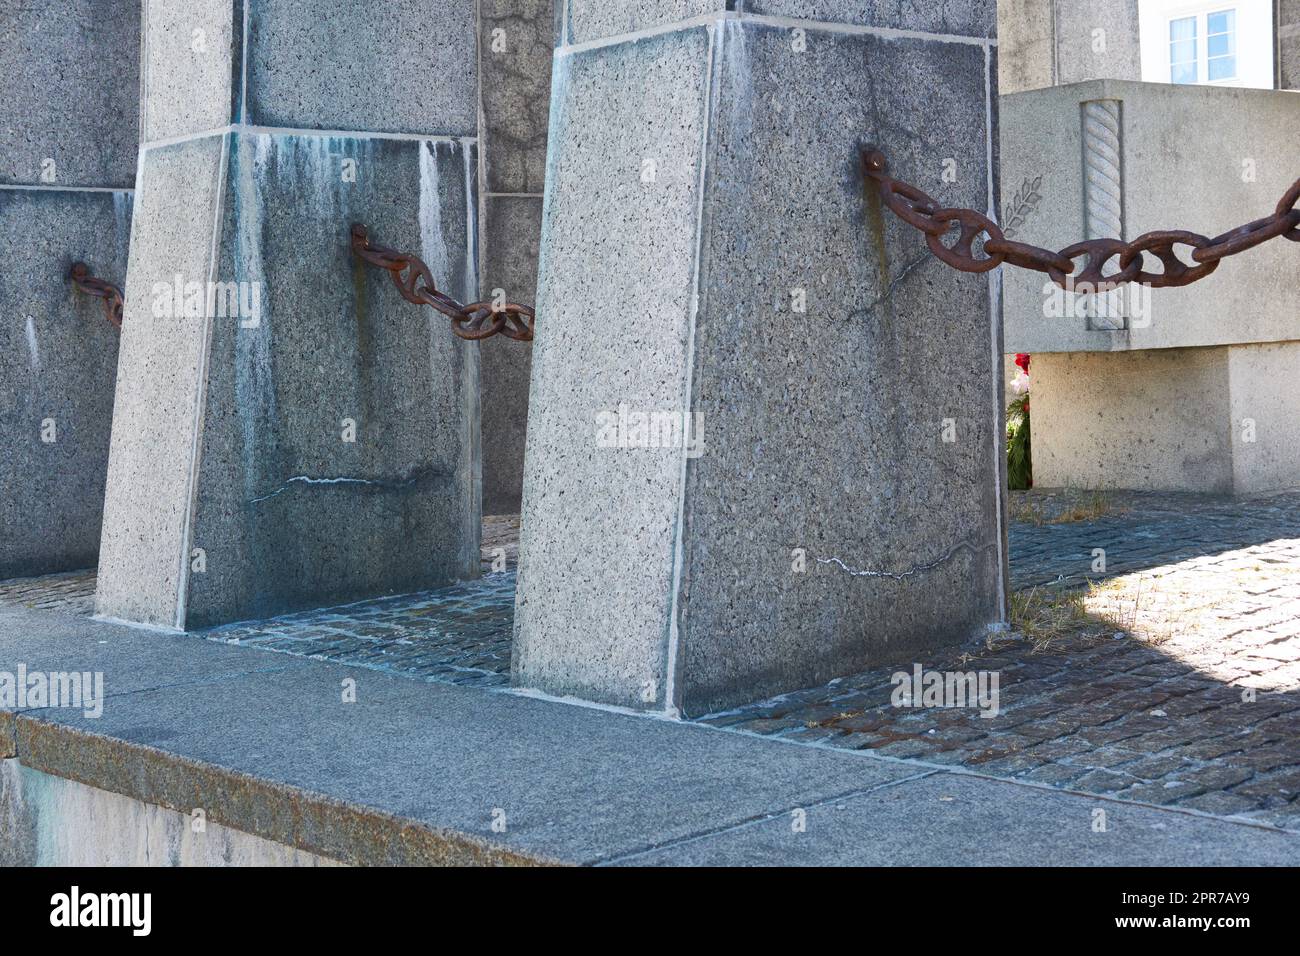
point(923, 213)
point(81, 278)
point(411, 276)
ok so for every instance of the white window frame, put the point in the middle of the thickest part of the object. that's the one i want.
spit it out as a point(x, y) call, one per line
point(1197, 23)
point(1201, 40)
point(1253, 44)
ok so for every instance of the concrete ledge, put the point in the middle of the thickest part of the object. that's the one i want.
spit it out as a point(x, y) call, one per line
point(418, 773)
point(321, 825)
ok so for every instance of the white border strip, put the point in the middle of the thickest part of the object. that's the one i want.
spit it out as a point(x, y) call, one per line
point(41, 187)
point(201, 399)
point(996, 334)
point(301, 131)
point(671, 707)
point(243, 65)
point(791, 23)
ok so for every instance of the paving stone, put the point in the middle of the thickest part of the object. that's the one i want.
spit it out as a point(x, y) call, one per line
point(1162, 792)
point(1219, 802)
point(1104, 781)
point(813, 734)
point(1012, 765)
point(1056, 774)
point(770, 725)
point(1064, 747)
point(1217, 776)
point(1265, 759)
point(1155, 768)
point(1111, 756)
point(904, 748)
point(1209, 749)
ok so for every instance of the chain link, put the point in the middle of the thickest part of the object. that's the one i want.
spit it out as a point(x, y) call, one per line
point(1109, 263)
point(478, 320)
point(85, 282)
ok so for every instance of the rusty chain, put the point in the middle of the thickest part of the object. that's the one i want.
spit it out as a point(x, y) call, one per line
point(921, 212)
point(81, 278)
point(478, 320)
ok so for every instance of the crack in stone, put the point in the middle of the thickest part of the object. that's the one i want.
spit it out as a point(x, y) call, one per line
point(916, 569)
point(415, 478)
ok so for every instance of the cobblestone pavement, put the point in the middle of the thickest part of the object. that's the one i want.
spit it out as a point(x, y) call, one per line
point(73, 591)
point(458, 635)
point(1170, 677)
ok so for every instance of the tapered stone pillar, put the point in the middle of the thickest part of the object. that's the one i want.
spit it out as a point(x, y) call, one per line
point(289, 432)
point(69, 88)
point(708, 257)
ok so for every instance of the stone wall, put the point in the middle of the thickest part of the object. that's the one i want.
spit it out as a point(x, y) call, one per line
point(69, 85)
point(324, 444)
point(1045, 43)
point(711, 251)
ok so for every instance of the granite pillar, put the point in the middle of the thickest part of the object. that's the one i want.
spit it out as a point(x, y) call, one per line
point(297, 434)
point(764, 444)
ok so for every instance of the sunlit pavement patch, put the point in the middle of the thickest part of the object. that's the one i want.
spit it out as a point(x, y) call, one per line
point(1180, 687)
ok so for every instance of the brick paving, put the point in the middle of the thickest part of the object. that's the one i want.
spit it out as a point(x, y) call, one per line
point(1171, 676)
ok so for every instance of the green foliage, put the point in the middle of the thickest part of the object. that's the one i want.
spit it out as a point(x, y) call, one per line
point(1020, 473)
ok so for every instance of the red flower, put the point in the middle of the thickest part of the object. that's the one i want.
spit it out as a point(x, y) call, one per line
point(1022, 359)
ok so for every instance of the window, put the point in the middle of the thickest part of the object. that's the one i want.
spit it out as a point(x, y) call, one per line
point(1221, 45)
point(1208, 42)
point(1182, 50)
point(1219, 55)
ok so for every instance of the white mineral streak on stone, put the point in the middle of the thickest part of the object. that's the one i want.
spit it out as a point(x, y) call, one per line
point(433, 241)
point(307, 480)
point(1101, 157)
point(33, 351)
point(254, 389)
point(471, 230)
point(735, 77)
point(469, 469)
point(445, 360)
